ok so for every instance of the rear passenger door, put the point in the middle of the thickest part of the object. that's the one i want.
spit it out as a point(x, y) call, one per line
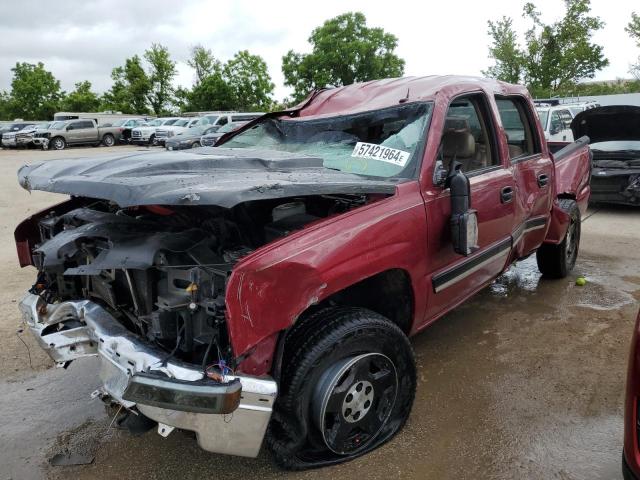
point(532, 173)
point(469, 137)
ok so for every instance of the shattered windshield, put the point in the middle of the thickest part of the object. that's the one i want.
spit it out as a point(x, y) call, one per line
point(380, 143)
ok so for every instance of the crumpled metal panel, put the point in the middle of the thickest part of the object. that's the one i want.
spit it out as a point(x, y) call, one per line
point(133, 243)
point(210, 176)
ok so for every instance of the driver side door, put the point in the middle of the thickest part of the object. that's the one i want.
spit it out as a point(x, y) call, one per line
point(469, 137)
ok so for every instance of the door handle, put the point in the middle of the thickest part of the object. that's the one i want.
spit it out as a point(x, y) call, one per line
point(506, 195)
point(543, 180)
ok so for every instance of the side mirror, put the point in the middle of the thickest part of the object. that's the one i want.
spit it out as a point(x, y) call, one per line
point(464, 220)
point(70, 127)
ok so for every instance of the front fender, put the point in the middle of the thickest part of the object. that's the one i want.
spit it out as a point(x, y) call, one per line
point(266, 293)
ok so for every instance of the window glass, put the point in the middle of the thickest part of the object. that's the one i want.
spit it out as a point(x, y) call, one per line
point(518, 128)
point(556, 123)
point(466, 137)
point(543, 114)
point(84, 124)
point(565, 116)
point(222, 120)
point(379, 143)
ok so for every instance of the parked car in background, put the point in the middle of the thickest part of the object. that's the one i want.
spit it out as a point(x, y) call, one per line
point(188, 139)
point(556, 122)
point(219, 120)
point(12, 128)
point(211, 136)
point(614, 132)
point(10, 139)
point(24, 138)
point(79, 132)
point(146, 134)
point(40, 137)
point(262, 292)
point(179, 126)
point(126, 125)
point(577, 107)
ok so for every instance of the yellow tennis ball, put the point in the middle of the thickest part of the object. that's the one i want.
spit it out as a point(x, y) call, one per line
point(581, 281)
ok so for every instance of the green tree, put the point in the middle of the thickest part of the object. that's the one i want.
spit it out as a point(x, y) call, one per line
point(344, 50)
point(633, 29)
point(249, 81)
point(203, 62)
point(131, 86)
point(555, 56)
point(35, 92)
point(213, 93)
point(505, 51)
point(4, 106)
point(82, 99)
point(162, 70)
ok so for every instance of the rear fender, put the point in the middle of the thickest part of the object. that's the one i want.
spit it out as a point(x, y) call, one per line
point(558, 224)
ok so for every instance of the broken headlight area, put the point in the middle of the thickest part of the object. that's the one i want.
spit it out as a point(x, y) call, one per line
point(162, 272)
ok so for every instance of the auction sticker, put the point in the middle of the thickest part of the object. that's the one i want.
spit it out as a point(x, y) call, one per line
point(378, 152)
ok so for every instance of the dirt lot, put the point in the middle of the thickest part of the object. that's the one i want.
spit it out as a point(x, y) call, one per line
point(524, 381)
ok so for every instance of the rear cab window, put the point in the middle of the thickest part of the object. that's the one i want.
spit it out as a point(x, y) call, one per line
point(519, 128)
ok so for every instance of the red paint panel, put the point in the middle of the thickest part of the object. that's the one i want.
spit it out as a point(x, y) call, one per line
point(269, 289)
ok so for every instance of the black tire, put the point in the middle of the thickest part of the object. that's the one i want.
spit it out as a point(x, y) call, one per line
point(152, 139)
point(556, 261)
point(108, 140)
point(195, 145)
point(57, 143)
point(330, 357)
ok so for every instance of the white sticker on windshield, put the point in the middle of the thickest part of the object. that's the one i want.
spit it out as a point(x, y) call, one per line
point(378, 152)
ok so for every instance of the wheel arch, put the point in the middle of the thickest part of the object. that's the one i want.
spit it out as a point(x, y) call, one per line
point(389, 293)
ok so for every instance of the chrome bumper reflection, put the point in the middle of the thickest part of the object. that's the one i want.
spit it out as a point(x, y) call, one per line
point(75, 329)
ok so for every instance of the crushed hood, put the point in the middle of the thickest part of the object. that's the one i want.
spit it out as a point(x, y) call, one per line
point(209, 176)
point(604, 124)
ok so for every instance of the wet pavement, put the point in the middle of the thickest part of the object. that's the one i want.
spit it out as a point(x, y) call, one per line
point(525, 380)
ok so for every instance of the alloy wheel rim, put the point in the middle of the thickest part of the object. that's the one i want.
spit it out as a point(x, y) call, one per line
point(353, 401)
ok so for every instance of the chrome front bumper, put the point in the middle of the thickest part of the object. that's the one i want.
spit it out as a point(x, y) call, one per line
point(75, 329)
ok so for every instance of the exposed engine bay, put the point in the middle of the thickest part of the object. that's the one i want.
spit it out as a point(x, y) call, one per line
point(162, 271)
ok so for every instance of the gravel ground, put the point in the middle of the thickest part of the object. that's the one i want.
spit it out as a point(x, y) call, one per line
point(526, 380)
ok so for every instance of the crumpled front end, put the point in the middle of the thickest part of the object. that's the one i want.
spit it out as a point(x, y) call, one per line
point(229, 415)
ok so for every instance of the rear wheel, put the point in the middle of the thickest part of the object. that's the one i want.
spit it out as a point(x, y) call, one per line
point(108, 140)
point(556, 261)
point(58, 143)
point(347, 386)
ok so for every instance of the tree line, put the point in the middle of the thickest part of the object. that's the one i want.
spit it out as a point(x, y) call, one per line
point(552, 59)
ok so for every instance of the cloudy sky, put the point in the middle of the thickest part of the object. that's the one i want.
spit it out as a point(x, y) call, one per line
point(80, 40)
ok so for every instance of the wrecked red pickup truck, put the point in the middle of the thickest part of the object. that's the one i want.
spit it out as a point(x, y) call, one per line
point(268, 287)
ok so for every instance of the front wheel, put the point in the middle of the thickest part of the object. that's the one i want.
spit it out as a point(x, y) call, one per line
point(108, 140)
point(152, 140)
point(348, 384)
point(556, 261)
point(58, 143)
point(195, 145)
